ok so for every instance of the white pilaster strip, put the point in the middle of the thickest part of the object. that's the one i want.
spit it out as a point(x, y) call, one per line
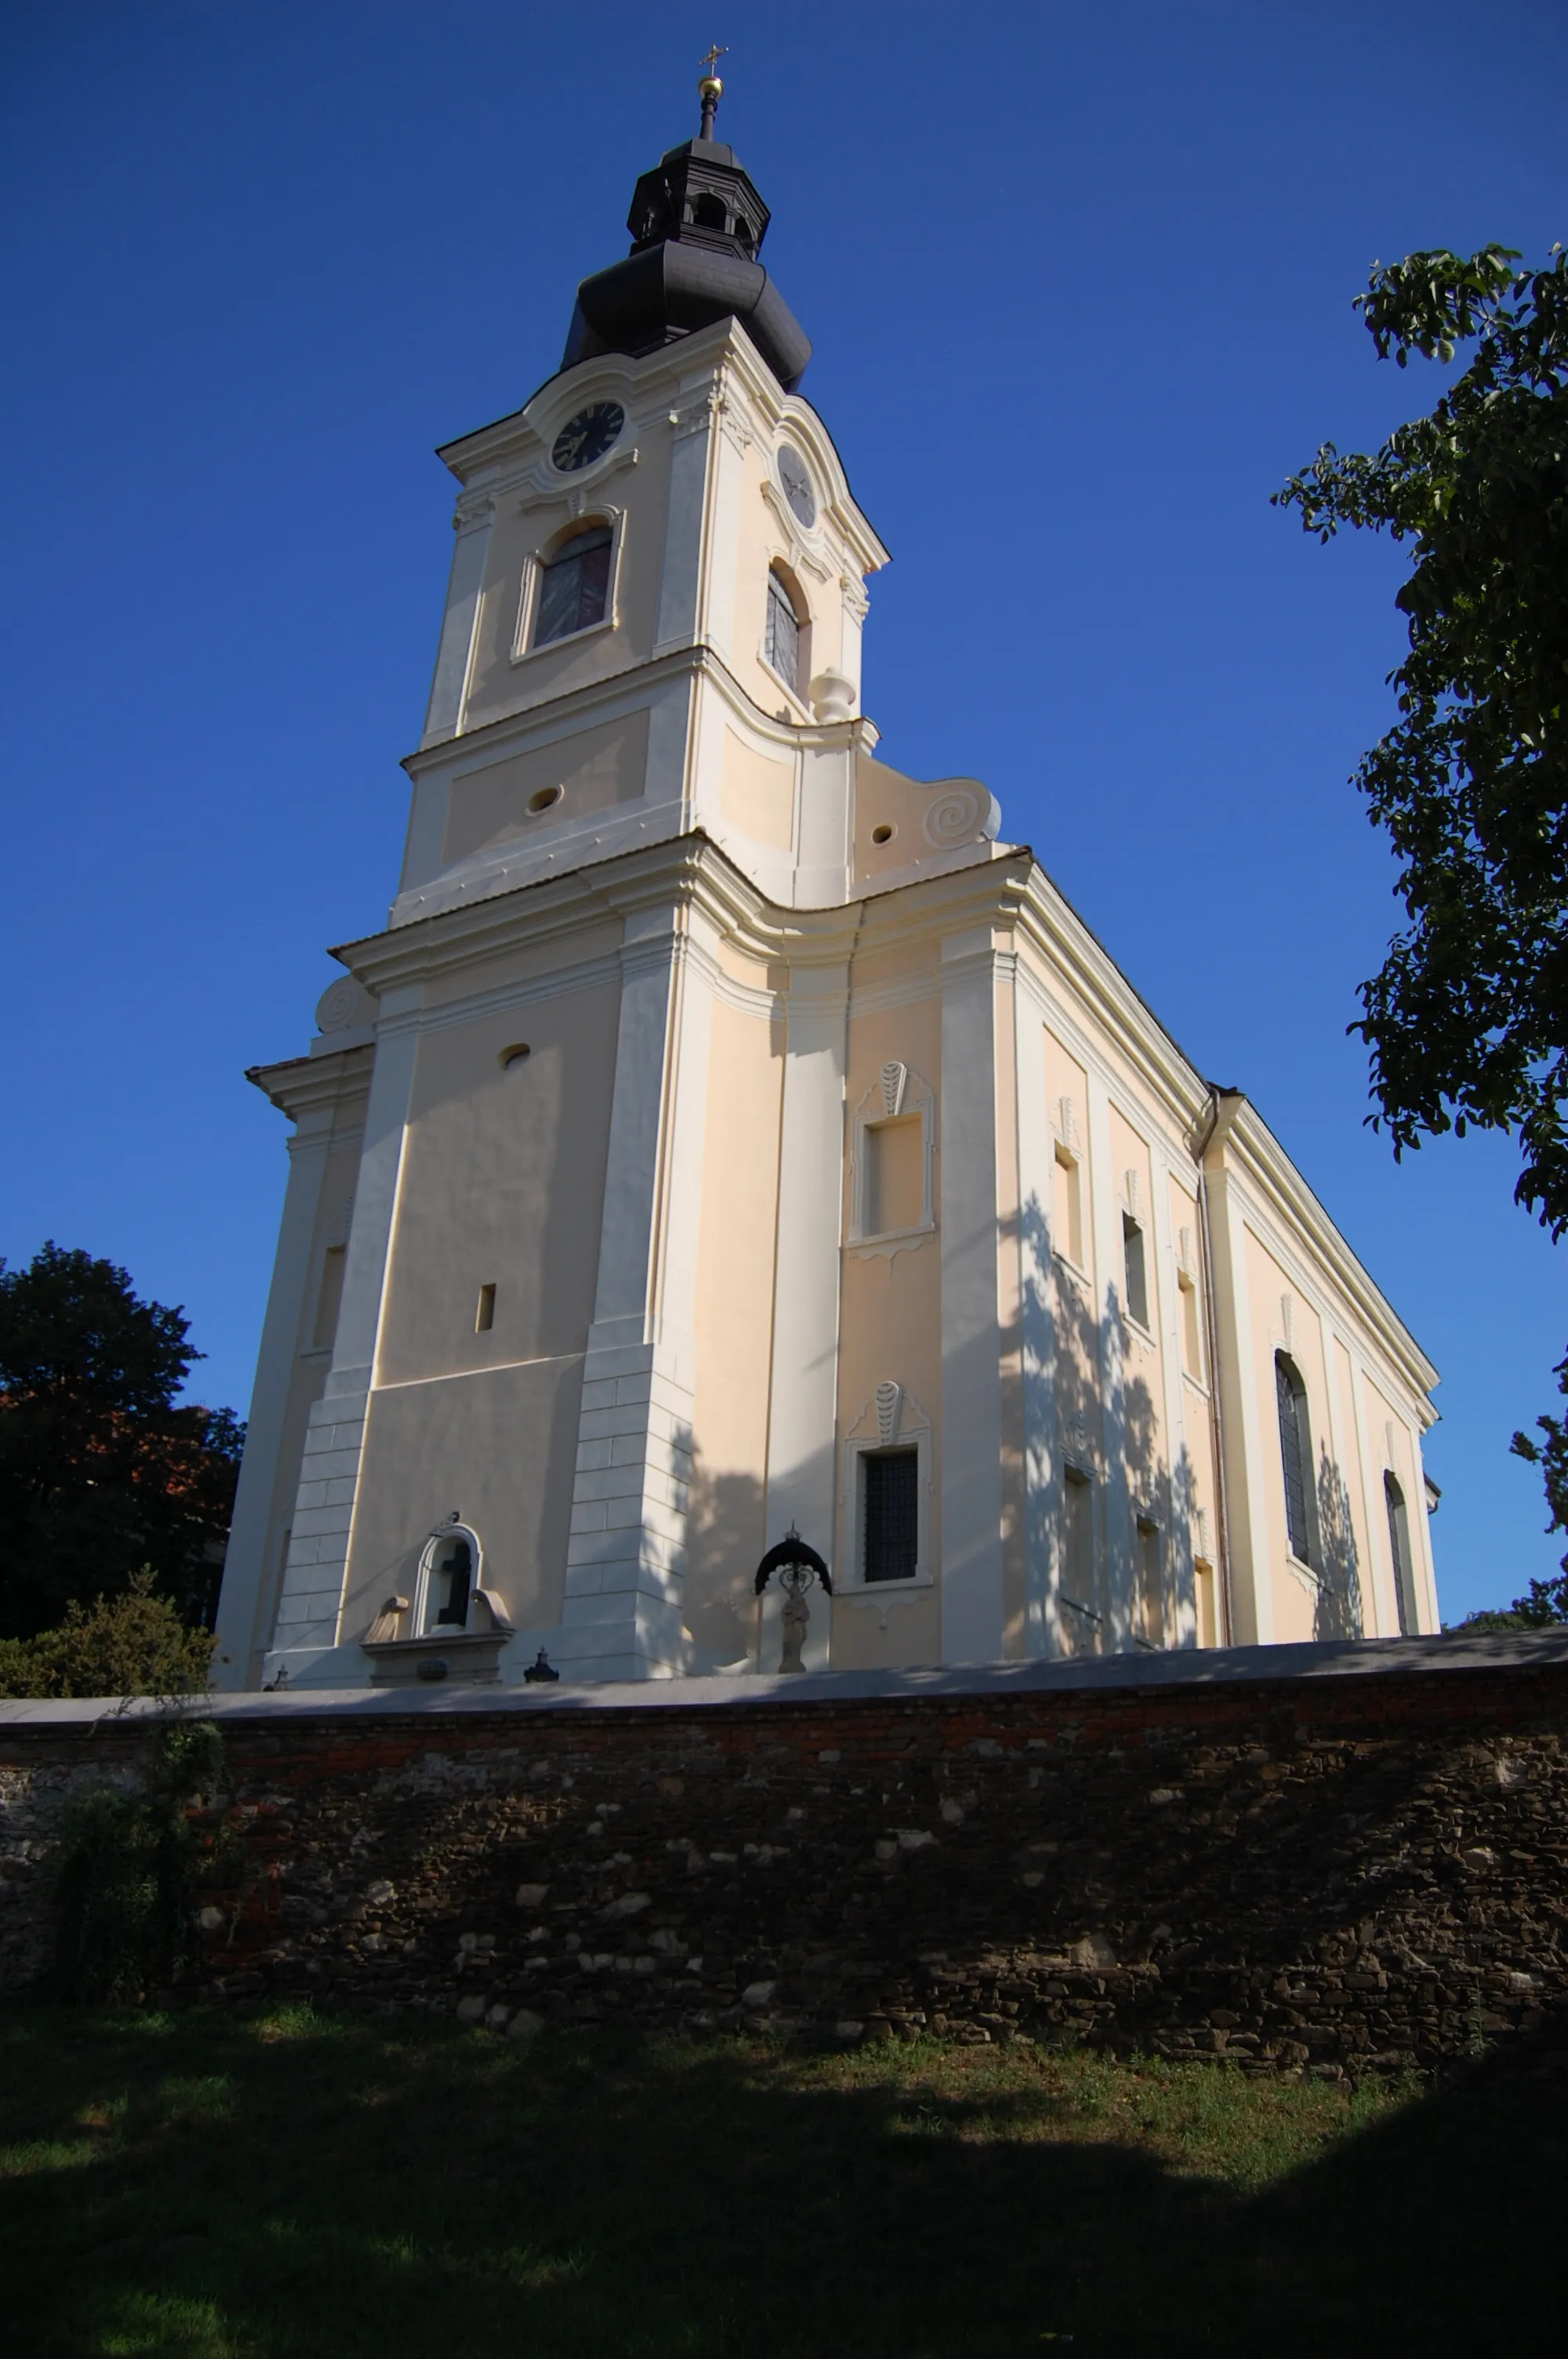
point(455, 654)
point(1179, 1482)
point(1251, 1558)
point(241, 1639)
point(334, 1440)
point(802, 1408)
point(1041, 1475)
point(626, 1553)
point(973, 1603)
point(1115, 1535)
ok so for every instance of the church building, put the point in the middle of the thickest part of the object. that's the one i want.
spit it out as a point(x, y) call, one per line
point(730, 1135)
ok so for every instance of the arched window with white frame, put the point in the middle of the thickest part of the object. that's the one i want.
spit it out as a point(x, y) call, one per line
point(449, 1579)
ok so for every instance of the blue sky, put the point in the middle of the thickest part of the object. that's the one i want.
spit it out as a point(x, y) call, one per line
point(1079, 283)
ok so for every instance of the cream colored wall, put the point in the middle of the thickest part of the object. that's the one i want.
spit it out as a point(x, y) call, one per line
point(500, 682)
point(499, 1447)
point(726, 1534)
point(890, 1329)
point(595, 770)
point(502, 1184)
point(764, 540)
point(757, 793)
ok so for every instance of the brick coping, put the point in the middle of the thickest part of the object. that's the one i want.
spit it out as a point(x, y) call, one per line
point(1188, 1669)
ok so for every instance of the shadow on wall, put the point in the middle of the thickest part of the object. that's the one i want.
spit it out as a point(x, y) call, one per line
point(1084, 1414)
point(652, 2179)
point(1338, 1613)
point(725, 1541)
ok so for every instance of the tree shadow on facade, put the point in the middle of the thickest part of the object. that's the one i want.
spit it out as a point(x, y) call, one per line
point(1337, 1611)
point(348, 2190)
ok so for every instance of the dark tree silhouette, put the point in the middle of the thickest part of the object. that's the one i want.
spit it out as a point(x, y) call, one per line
point(101, 1470)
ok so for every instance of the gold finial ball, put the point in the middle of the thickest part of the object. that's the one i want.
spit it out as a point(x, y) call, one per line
point(711, 87)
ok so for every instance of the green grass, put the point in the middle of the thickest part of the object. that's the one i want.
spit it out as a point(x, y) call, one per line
point(286, 2186)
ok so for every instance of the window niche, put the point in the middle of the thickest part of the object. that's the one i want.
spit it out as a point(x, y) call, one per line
point(1190, 1308)
point(452, 1625)
point(1081, 1619)
point(884, 1541)
point(1150, 1570)
point(1067, 1187)
point(1134, 1252)
point(892, 1148)
point(569, 584)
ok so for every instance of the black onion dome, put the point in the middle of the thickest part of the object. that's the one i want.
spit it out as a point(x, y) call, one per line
point(698, 224)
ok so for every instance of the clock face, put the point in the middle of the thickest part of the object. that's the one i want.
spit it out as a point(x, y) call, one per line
point(796, 485)
point(588, 436)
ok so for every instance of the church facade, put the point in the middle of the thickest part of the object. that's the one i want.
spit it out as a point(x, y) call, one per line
point(729, 1134)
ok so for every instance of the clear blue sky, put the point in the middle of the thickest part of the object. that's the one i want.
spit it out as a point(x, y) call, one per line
point(261, 258)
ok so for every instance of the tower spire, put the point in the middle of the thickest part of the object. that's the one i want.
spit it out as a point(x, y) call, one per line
point(710, 89)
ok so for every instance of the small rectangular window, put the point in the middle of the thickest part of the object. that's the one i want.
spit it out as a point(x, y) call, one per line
point(892, 1176)
point(1067, 1208)
point(1136, 1274)
point(484, 1317)
point(891, 1479)
point(330, 1298)
point(1151, 1584)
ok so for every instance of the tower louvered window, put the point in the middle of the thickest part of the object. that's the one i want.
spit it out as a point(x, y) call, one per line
point(1295, 1455)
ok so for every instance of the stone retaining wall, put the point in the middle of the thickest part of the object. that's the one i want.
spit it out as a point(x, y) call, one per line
point(1336, 1873)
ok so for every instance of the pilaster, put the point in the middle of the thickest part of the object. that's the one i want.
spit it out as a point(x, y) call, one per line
point(973, 1599)
point(802, 1405)
point(626, 1555)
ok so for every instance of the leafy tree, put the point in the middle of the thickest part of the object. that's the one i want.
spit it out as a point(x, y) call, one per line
point(101, 1471)
point(1467, 1018)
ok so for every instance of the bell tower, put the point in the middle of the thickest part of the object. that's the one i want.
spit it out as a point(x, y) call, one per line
point(597, 1057)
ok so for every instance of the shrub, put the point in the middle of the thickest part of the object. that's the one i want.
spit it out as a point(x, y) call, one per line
point(134, 1644)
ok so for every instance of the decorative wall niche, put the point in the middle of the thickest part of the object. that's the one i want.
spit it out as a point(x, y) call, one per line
point(892, 1150)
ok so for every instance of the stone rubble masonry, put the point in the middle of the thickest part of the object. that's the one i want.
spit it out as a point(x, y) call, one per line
point(1335, 1859)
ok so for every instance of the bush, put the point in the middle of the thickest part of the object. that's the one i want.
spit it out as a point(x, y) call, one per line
point(134, 1644)
point(127, 1869)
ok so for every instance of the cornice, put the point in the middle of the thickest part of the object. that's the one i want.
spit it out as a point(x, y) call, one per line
point(298, 1086)
point(562, 715)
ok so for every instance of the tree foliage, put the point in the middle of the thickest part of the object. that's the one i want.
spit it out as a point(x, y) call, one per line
point(1467, 1018)
point(101, 1470)
point(132, 1645)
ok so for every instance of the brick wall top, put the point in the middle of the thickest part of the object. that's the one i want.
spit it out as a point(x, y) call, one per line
point(1229, 1683)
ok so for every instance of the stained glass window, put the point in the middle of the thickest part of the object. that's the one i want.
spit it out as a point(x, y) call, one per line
point(893, 1514)
point(574, 587)
point(781, 643)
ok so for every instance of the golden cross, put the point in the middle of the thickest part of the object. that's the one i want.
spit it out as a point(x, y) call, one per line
point(714, 54)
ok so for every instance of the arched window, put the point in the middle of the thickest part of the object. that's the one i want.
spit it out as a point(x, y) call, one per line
point(782, 631)
point(1400, 1550)
point(449, 1581)
point(1295, 1454)
point(574, 585)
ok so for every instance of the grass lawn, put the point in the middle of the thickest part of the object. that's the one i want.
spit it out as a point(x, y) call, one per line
point(287, 2185)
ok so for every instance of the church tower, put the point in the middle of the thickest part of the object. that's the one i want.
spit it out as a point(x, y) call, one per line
point(727, 1134)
